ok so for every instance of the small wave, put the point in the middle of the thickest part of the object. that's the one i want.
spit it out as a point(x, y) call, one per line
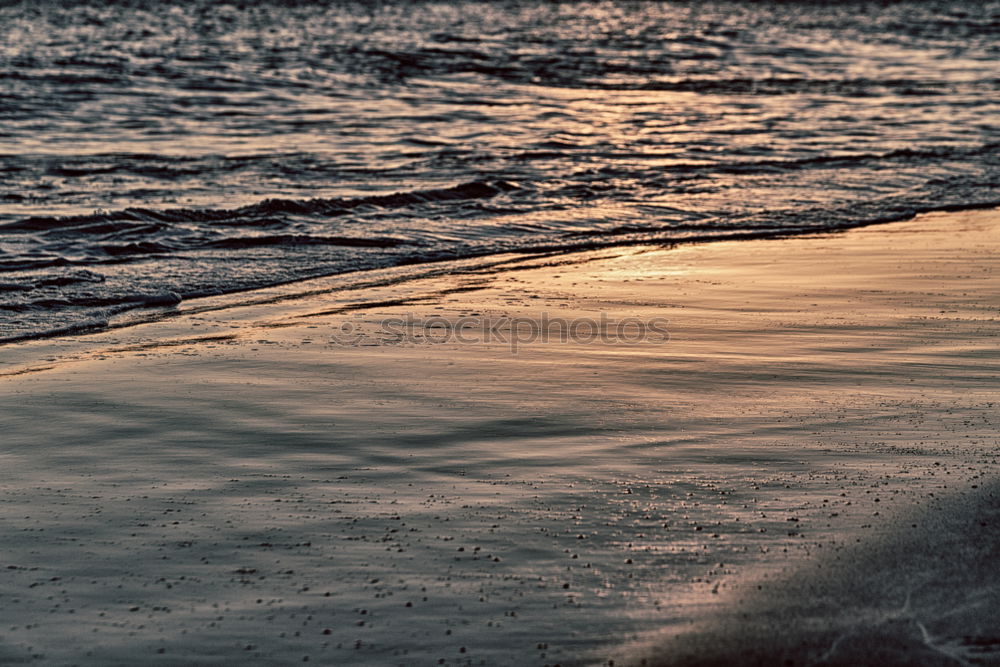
point(264, 209)
point(137, 248)
point(122, 301)
point(76, 278)
point(844, 160)
point(327, 207)
point(302, 239)
point(73, 278)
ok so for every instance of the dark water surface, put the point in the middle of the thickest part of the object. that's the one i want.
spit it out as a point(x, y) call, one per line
point(155, 151)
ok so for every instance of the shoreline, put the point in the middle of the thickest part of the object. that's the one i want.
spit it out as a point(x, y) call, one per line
point(229, 468)
point(128, 317)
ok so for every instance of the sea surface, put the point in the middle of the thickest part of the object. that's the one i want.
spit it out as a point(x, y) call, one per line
point(158, 151)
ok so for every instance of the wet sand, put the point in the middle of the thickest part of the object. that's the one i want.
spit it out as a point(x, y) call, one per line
point(329, 473)
point(922, 592)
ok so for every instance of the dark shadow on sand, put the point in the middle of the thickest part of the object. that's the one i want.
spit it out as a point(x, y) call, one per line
point(926, 592)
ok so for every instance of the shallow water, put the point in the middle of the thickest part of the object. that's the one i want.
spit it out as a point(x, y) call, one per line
point(157, 151)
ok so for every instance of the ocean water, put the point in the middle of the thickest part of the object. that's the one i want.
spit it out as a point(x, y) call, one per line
point(158, 151)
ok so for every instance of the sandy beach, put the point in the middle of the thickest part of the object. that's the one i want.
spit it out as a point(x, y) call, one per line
point(731, 453)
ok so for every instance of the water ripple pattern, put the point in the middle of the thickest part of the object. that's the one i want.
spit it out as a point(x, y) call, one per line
point(158, 151)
